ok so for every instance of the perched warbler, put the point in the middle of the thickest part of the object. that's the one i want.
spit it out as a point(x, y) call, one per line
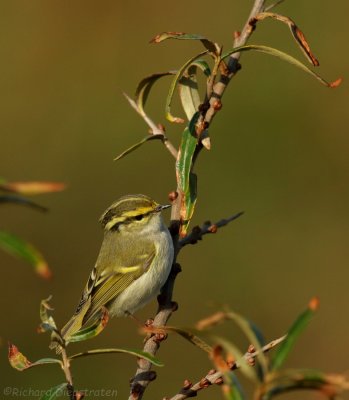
point(133, 264)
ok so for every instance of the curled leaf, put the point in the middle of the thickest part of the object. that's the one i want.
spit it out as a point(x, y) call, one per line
point(296, 329)
point(91, 331)
point(32, 188)
point(47, 321)
point(174, 84)
point(297, 34)
point(208, 44)
point(145, 86)
point(24, 250)
point(285, 57)
point(20, 362)
point(139, 144)
point(137, 353)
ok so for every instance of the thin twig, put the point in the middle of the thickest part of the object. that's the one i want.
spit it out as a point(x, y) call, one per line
point(198, 232)
point(273, 5)
point(215, 377)
point(67, 373)
point(154, 128)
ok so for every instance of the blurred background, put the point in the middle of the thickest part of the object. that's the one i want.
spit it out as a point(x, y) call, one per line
point(279, 153)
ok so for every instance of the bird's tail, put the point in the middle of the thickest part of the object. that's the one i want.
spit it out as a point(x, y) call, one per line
point(72, 327)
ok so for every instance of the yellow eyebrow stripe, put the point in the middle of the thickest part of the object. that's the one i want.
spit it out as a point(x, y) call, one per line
point(139, 211)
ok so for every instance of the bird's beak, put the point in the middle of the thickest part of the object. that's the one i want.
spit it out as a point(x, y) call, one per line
point(161, 207)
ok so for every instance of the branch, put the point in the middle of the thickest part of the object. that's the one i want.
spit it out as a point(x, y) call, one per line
point(216, 377)
point(68, 375)
point(144, 375)
point(197, 233)
point(233, 65)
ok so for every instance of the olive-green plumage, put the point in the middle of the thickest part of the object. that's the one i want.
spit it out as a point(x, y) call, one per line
point(133, 264)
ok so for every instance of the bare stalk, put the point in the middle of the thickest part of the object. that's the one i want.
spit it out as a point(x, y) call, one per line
point(67, 373)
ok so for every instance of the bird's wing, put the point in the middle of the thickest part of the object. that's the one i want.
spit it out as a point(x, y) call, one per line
point(101, 289)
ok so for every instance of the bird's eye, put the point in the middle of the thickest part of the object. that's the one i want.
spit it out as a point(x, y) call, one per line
point(139, 217)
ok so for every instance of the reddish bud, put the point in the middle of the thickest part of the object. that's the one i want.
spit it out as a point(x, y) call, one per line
point(251, 349)
point(219, 381)
point(172, 195)
point(217, 105)
point(187, 384)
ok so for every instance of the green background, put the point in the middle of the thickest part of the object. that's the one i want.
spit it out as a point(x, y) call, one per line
point(279, 152)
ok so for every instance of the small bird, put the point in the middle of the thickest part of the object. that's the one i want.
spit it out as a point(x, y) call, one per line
point(133, 264)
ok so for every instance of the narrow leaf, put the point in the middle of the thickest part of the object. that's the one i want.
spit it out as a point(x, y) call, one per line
point(233, 391)
point(145, 86)
point(297, 34)
point(208, 44)
point(91, 331)
point(285, 57)
point(186, 333)
point(188, 87)
point(23, 201)
point(173, 86)
point(20, 362)
point(296, 329)
point(32, 188)
point(54, 392)
point(139, 144)
point(21, 249)
point(330, 385)
point(186, 180)
point(137, 353)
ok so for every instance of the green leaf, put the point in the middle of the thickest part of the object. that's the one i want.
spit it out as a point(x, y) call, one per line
point(91, 331)
point(15, 199)
point(24, 250)
point(234, 391)
point(31, 188)
point(173, 86)
point(145, 86)
point(330, 385)
point(296, 329)
point(186, 180)
point(135, 146)
point(254, 337)
point(54, 392)
point(188, 87)
point(285, 57)
point(20, 362)
point(208, 44)
point(137, 353)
